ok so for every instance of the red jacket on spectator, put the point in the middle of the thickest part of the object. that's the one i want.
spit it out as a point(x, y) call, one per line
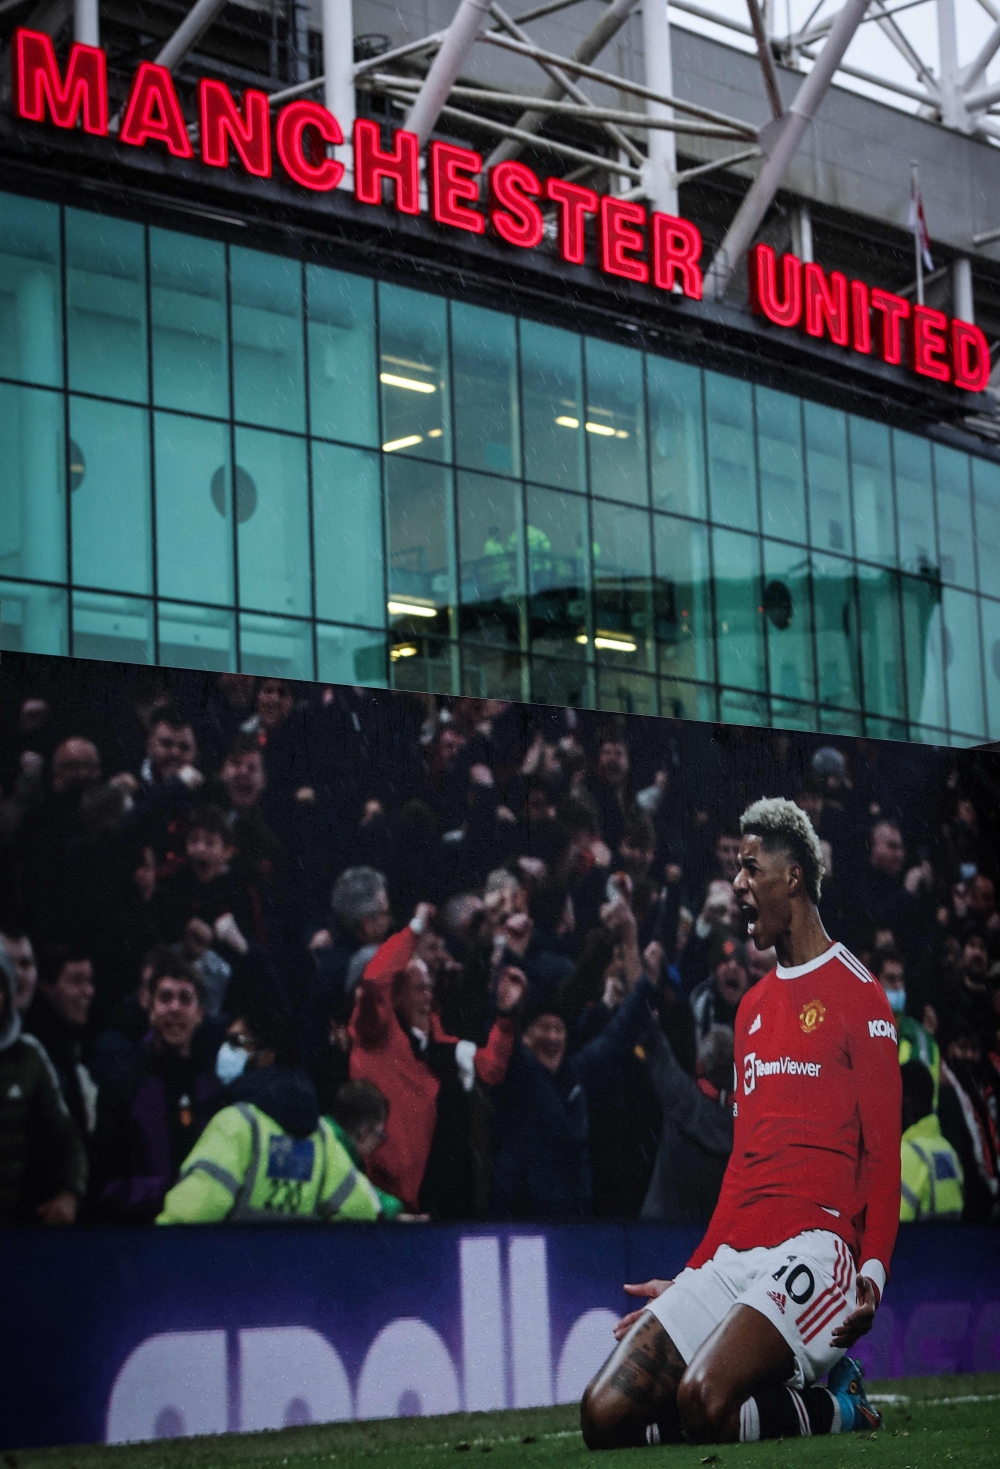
point(383, 1053)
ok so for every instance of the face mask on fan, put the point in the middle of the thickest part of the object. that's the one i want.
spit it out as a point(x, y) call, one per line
point(897, 1001)
point(230, 1062)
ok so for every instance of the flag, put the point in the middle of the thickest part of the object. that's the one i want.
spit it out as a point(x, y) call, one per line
point(918, 221)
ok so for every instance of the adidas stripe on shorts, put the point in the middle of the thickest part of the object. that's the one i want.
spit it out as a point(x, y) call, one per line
point(805, 1287)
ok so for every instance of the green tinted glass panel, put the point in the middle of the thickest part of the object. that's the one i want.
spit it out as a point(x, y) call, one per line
point(990, 612)
point(683, 600)
point(836, 623)
point(494, 673)
point(30, 292)
point(277, 646)
point(552, 392)
point(487, 414)
point(782, 477)
point(626, 693)
point(680, 700)
point(110, 496)
point(558, 551)
point(268, 367)
point(196, 637)
point(114, 629)
point(347, 531)
point(413, 372)
point(194, 511)
point(491, 551)
point(676, 436)
point(788, 620)
point(32, 497)
point(732, 475)
point(106, 306)
point(33, 619)
point(954, 514)
point(986, 497)
point(343, 393)
point(421, 537)
point(829, 486)
point(555, 682)
point(872, 498)
point(914, 503)
point(921, 601)
point(881, 642)
point(351, 655)
point(739, 629)
point(187, 289)
point(963, 663)
point(623, 587)
point(615, 422)
point(273, 528)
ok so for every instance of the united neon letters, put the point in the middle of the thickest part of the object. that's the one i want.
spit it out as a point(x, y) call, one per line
point(797, 295)
point(631, 244)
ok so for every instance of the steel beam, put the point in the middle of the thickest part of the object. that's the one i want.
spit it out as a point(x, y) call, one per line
point(620, 84)
point(985, 97)
point(978, 65)
point(337, 17)
point(188, 33)
point(765, 57)
point(661, 169)
point(566, 84)
point(789, 131)
point(86, 22)
point(587, 112)
point(468, 21)
point(592, 44)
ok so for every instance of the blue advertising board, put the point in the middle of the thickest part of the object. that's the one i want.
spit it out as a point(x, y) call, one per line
point(134, 1334)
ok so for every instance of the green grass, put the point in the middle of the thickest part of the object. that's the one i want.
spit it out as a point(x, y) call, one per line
point(923, 1430)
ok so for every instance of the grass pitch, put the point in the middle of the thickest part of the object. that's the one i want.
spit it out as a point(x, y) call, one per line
point(930, 1423)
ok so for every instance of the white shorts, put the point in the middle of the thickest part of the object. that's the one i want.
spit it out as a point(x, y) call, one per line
point(805, 1287)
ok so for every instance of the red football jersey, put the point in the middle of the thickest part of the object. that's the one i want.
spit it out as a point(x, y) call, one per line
point(817, 1113)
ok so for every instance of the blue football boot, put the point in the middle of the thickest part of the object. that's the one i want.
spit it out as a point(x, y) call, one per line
point(847, 1383)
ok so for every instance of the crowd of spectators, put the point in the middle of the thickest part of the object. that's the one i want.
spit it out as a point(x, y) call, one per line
point(347, 954)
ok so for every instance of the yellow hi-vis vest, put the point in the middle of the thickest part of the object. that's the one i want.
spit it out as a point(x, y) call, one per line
point(246, 1169)
point(931, 1174)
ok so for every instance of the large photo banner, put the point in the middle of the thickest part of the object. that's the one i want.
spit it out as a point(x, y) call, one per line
point(453, 982)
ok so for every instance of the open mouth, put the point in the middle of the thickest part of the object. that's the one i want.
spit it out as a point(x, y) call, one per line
point(748, 918)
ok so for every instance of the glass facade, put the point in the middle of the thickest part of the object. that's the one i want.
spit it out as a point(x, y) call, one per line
point(224, 459)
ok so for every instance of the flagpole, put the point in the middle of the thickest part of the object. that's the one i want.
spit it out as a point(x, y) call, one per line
point(917, 242)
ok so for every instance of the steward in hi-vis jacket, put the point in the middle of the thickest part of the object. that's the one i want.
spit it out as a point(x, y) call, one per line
point(268, 1156)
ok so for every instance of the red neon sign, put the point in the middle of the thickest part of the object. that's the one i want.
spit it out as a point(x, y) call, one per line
point(664, 250)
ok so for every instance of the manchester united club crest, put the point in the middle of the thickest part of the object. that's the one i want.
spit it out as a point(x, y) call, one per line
point(812, 1015)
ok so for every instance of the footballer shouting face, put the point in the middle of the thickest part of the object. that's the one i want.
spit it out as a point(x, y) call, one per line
point(766, 887)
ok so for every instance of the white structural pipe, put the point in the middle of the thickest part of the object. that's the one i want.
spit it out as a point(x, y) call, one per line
point(86, 23)
point(661, 169)
point(338, 76)
point(963, 304)
point(788, 134)
point(469, 19)
point(188, 33)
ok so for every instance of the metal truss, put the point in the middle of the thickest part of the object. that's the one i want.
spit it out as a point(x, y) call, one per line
point(630, 139)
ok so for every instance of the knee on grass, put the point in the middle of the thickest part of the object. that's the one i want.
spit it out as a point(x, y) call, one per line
point(703, 1407)
point(601, 1418)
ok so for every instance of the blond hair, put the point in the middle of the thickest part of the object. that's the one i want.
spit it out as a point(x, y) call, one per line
point(783, 826)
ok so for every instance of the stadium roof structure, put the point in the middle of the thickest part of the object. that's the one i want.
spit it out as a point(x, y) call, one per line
point(787, 128)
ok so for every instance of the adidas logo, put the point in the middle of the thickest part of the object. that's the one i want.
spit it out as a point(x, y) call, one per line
point(15, 1093)
point(755, 1027)
point(778, 1300)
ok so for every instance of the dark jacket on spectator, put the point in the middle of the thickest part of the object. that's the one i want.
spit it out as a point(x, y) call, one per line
point(695, 1143)
point(182, 897)
point(541, 1156)
point(151, 1111)
point(41, 1153)
point(64, 1045)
